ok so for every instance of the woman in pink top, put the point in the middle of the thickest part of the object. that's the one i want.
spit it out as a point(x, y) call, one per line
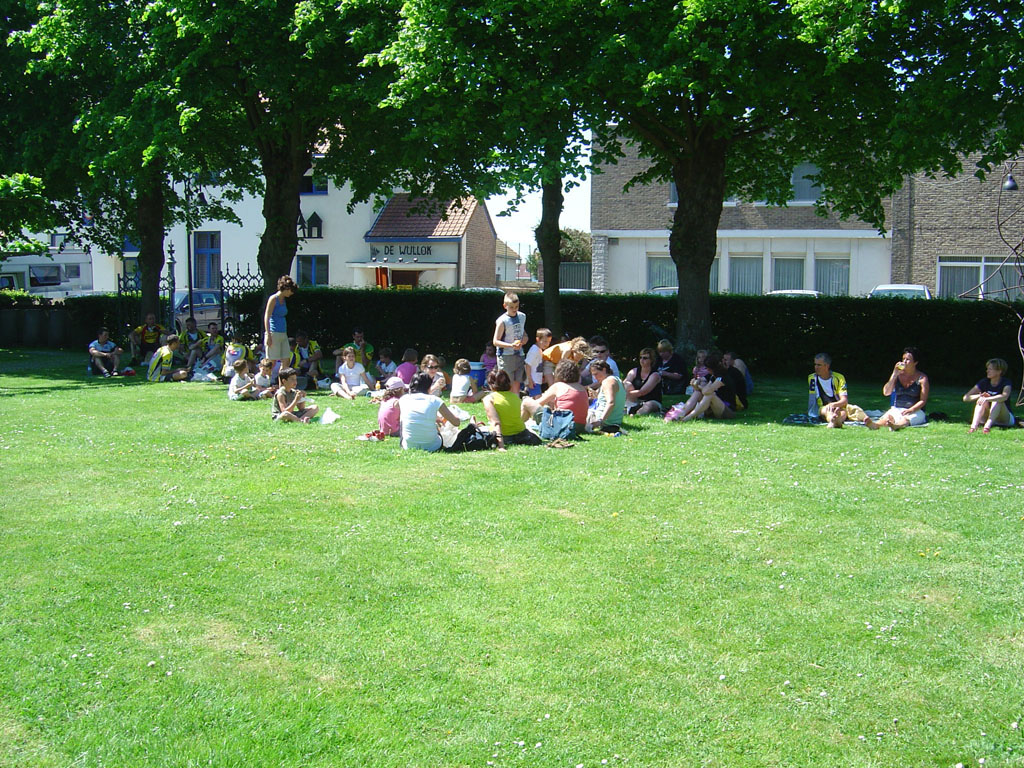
point(565, 394)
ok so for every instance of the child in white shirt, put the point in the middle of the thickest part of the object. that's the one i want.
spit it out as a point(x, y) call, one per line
point(242, 386)
point(352, 378)
point(464, 389)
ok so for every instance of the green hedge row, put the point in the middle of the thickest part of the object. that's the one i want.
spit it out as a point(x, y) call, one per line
point(776, 335)
point(773, 334)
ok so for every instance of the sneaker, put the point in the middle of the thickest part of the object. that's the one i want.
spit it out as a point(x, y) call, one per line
point(115, 373)
point(106, 374)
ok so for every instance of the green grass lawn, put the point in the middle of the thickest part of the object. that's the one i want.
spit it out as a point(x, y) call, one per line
point(186, 583)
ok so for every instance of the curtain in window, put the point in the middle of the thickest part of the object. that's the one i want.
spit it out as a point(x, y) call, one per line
point(832, 276)
point(788, 275)
point(661, 272)
point(713, 282)
point(954, 281)
point(745, 275)
point(999, 279)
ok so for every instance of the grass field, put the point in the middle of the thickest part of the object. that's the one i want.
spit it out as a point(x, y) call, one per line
point(185, 583)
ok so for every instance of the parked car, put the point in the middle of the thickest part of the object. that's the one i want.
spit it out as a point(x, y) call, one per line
point(205, 309)
point(900, 291)
point(796, 292)
point(665, 290)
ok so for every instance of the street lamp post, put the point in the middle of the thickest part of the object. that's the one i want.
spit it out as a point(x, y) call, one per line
point(188, 241)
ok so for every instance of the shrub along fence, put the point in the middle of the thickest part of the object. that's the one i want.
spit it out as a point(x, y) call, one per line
point(776, 335)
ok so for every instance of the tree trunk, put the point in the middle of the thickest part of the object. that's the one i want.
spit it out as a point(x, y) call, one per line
point(549, 243)
point(149, 205)
point(700, 182)
point(284, 163)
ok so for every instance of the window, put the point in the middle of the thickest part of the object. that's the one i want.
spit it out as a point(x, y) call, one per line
point(313, 270)
point(745, 275)
point(313, 185)
point(961, 275)
point(787, 274)
point(42, 276)
point(804, 190)
point(206, 263)
point(72, 271)
point(57, 239)
point(832, 276)
point(661, 272)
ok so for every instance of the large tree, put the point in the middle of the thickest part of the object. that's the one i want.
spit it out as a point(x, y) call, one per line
point(488, 84)
point(728, 96)
point(98, 123)
point(287, 79)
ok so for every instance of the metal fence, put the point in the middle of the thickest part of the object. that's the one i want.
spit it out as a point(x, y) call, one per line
point(574, 275)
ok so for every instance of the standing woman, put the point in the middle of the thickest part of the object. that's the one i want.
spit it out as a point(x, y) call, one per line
point(909, 389)
point(275, 323)
point(991, 397)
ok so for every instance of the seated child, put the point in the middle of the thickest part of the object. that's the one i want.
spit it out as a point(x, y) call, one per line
point(464, 389)
point(408, 368)
point(290, 403)
point(161, 365)
point(389, 414)
point(352, 378)
point(385, 365)
point(489, 358)
point(242, 386)
point(265, 386)
point(431, 364)
point(236, 350)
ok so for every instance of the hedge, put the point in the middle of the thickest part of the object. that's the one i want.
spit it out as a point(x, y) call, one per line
point(775, 335)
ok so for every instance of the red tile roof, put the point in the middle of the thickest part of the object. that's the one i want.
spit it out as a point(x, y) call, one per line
point(395, 220)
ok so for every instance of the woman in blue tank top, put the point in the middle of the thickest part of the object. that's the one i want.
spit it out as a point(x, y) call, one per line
point(908, 388)
point(275, 324)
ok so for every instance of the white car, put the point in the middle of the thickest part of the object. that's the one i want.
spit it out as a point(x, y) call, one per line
point(795, 292)
point(900, 291)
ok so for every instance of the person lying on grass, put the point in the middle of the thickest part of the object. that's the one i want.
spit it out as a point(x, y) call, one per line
point(290, 404)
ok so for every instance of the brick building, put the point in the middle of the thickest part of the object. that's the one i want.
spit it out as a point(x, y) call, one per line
point(452, 247)
point(940, 233)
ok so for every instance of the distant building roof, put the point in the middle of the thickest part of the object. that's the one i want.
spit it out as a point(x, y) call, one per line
point(396, 219)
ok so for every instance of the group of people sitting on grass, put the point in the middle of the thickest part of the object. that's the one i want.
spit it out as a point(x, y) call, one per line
point(908, 389)
point(567, 387)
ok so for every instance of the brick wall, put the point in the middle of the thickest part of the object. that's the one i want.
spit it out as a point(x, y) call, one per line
point(647, 207)
point(480, 245)
point(933, 217)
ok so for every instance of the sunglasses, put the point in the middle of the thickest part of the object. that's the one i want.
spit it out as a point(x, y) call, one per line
point(432, 367)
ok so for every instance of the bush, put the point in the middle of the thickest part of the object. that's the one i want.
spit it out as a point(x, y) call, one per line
point(88, 313)
point(773, 334)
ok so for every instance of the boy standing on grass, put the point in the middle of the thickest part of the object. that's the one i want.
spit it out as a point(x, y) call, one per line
point(161, 365)
point(509, 333)
point(290, 404)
